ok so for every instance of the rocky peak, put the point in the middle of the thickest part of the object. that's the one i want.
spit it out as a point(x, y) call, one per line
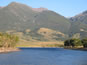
point(39, 9)
point(85, 12)
point(14, 3)
point(80, 17)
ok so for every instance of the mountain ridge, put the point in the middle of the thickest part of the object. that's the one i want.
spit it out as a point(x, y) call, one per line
point(23, 19)
point(79, 24)
point(20, 17)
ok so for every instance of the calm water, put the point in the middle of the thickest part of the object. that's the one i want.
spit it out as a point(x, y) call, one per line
point(44, 56)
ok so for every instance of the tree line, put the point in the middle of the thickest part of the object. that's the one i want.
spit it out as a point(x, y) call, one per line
point(8, 40)
point(75, 42)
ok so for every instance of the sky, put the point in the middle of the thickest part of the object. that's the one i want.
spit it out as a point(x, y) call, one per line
point(67, 8)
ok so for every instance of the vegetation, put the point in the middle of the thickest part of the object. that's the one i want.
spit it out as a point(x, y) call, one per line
point(52, 45)
point(8, 40)
point(75, 43)
point(84, 42)
point(24, 43)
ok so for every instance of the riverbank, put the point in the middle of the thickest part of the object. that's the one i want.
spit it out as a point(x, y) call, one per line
point(6, 50)
point(83, 49)
point(40, 44)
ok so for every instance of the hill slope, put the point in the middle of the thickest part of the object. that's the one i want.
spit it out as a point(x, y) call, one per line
point(79, 24)
point(20, 17)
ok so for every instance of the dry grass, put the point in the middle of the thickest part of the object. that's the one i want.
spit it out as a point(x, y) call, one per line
point(40, 44)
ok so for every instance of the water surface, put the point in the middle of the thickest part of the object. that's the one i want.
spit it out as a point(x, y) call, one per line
point(44, 56)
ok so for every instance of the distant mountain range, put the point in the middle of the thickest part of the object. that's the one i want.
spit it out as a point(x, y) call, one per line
point(40, 23)
point(79, 24)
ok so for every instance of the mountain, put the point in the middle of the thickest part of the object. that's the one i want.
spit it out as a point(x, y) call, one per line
point(20, 17)
point(39, 9)
point(82, 17)
point(41, 23)
point(79, 24)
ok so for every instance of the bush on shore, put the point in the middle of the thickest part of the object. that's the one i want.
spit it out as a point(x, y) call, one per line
point(75, 43)
point(8, 40)
point(84, 42)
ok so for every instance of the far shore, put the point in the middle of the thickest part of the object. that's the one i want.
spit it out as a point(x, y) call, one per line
point(40, 47)
point(83, 49)
point(7, 50)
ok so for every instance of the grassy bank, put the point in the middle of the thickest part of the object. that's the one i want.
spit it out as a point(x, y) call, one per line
point(40, 44)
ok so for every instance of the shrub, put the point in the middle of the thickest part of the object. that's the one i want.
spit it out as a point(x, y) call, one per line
point(73, 42)
point(67, 43)
point(84, 42)
point(8, 40)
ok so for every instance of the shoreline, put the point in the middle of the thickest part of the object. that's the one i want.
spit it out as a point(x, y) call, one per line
point(40, 47)
point(7, 50)
point(82, 49)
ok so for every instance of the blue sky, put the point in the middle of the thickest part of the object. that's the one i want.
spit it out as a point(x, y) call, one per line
point(66, 8)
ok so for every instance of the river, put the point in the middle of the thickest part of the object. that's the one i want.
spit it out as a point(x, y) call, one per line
point(44, 56)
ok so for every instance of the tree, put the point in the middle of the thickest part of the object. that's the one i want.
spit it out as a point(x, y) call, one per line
point(73, 42)
point(67, 43)
point(8, 40)
point(84, 42)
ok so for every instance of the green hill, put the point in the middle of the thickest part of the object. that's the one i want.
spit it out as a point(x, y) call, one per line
point(19, 17)
point(41, 24)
